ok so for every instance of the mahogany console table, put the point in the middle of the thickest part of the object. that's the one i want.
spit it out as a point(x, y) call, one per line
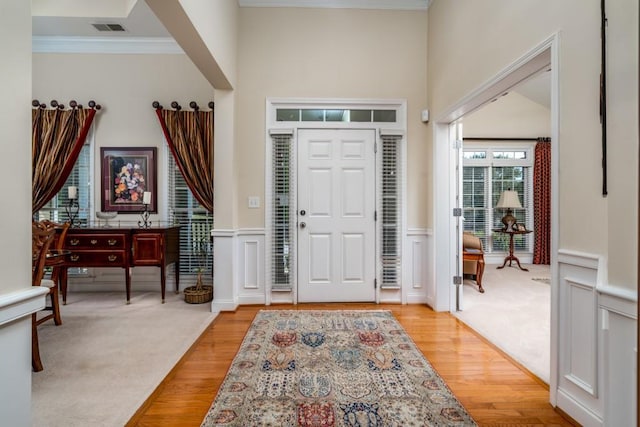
point(512, 257)
point(123, 247)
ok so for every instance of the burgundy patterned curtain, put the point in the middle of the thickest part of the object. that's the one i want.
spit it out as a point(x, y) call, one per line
point(542, 202)
point(57, 136)
point(189, 135)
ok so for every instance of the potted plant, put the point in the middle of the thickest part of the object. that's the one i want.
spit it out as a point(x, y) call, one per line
point(200, 293)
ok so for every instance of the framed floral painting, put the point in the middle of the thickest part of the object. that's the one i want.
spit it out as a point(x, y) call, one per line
point(127, 174)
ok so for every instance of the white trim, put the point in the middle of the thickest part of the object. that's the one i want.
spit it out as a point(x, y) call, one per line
point(273, 126)
point(286, 131)
point(391, 132)
point(341, 4)
point(18, 304)
point(218, 232)
point(124, 45)
point(579, 412)
point(251, 231)
point(627, 295)
point(419, 232)
point(544, 54)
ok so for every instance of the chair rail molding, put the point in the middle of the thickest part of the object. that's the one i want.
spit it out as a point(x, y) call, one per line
point(18, 304)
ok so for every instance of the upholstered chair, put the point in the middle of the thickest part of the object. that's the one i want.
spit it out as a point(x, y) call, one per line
point(473, 257)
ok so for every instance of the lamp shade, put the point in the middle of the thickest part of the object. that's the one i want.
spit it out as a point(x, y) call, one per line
point(509, 199)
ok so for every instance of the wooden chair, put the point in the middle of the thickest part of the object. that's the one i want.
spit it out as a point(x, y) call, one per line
point(60, 233)
point(473, 257)
point(42, 236)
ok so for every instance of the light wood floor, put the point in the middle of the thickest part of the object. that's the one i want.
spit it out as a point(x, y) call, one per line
point(493, 389)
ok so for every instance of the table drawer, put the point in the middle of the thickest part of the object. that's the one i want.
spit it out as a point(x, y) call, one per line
point(97, 258)
point(96, 241)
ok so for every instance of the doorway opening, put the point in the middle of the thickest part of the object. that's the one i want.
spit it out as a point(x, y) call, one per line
point(449, 295)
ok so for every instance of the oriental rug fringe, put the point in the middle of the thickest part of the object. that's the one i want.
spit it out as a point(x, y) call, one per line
point(332, 368)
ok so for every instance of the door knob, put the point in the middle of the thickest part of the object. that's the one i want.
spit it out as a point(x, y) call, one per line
point(303, 225)
point(303, 212)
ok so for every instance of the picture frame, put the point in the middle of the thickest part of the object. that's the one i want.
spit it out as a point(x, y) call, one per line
point(127, 173)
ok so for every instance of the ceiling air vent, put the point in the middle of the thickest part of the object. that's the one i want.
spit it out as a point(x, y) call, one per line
point(108, 27)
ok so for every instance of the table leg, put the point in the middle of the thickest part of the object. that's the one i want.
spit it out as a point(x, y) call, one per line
point(512, 257)
point(162, 281)
point(479, 273)
point(128, 283)
point(177, 269)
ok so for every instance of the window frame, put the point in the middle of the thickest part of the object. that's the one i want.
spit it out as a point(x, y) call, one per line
point(489, 162)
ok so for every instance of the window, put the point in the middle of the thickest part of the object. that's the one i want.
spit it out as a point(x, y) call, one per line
point(56, 208)
point(391, 184)
point(196, 247)
point(280, 216)
point(488, 170)
point(335, 115)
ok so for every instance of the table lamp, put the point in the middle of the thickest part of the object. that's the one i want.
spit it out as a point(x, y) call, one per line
point(509, 200)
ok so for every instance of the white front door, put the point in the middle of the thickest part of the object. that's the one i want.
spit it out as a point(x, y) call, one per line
point(336, 215)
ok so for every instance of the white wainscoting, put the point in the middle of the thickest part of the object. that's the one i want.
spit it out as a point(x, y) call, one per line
point(418, 284)
point(596, 343)
point(249, 269)
point(16, 308)
point(225, 277)
point(251, 263)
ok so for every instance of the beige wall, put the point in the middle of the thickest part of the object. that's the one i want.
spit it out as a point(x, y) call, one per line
point(125, 86)
point(470, 42)
point(329, 53)
point(15, 147)
point(216, 22)
point(511, 116)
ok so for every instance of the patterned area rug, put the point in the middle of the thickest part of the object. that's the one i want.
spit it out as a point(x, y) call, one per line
point(332, 368)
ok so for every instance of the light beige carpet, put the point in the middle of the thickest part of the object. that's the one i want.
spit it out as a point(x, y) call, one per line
point(107, 357)
point(513, 313)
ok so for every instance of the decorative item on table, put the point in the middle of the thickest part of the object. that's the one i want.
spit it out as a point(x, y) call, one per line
point(72, 207)
point(509, 200)
point(146, 200)
point(106, 216)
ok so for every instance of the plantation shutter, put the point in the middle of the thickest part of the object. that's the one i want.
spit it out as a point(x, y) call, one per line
point(196, 248)
point(281, 242)
point(391, 204)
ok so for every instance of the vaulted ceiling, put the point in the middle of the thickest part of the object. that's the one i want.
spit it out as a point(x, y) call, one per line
point(134, 19)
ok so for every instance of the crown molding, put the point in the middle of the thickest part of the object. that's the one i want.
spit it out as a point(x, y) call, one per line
point(341, 4)
point(130, 45)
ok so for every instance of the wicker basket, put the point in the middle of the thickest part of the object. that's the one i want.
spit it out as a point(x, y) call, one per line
point(198, 294)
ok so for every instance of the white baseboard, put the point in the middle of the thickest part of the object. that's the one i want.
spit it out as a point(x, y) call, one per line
point(577, 411)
